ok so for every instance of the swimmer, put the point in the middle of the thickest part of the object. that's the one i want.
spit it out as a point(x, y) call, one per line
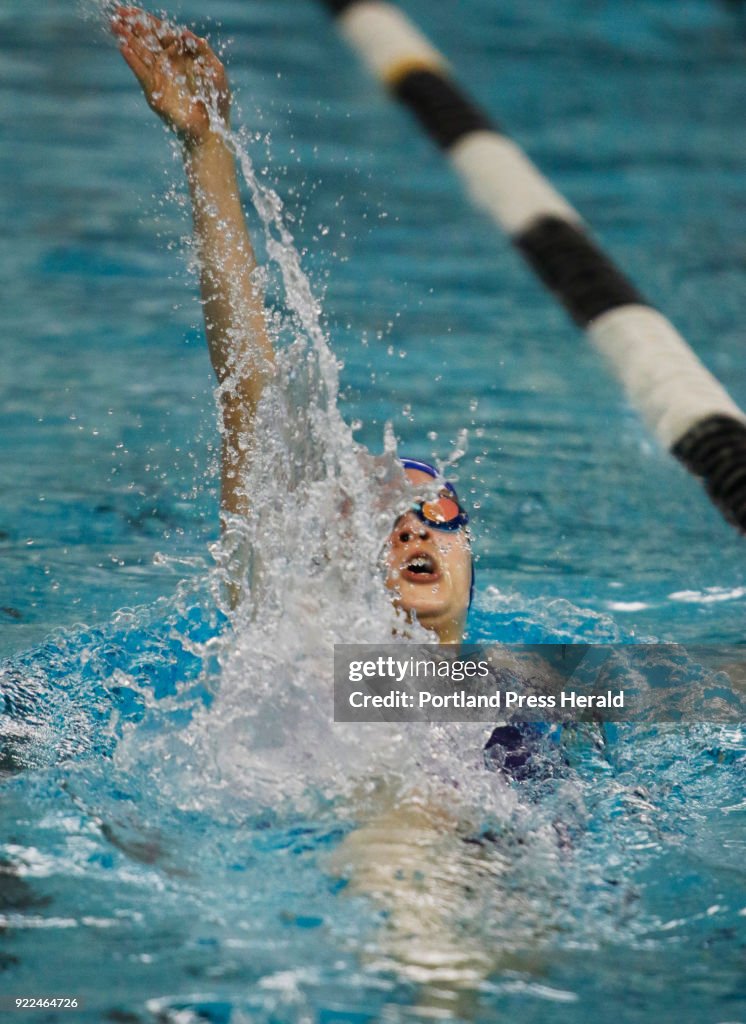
point(428, 556)
point(407, 851)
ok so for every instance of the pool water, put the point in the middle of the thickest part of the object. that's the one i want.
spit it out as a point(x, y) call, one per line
point(176, 802)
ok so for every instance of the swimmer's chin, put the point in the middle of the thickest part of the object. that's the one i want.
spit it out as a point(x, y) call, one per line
point(431, 607)
point(407, 622)
point(428, 612)
point(423, 596)
point(446, 625)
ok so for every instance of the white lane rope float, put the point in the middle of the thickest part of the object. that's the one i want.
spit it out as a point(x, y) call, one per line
point(686, 408)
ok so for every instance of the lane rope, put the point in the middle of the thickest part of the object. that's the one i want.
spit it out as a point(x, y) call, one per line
point(683, 404)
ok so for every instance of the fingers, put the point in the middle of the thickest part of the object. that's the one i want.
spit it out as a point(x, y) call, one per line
point(128, 25)
point(142, 53)
point(185, 44)
point(137, 29)
point(142, 71)
point(132, 22)
point(136, 20)
point(187, 41)
point(195, 42)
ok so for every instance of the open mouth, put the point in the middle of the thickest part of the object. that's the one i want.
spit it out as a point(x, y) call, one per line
point(420, 568)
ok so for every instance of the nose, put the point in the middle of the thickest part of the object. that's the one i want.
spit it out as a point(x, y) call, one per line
point(409, 527)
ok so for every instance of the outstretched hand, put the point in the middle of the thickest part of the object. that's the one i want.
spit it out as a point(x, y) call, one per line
point(183, 80)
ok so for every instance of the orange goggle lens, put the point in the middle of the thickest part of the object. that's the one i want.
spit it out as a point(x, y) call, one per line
point(442, 510)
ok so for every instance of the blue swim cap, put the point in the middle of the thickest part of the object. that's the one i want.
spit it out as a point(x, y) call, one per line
point(426, 467)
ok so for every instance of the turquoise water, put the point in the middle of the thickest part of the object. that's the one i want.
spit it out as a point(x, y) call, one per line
point(152, 837)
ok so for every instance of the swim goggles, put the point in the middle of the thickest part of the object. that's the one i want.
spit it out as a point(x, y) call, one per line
point(443, 512)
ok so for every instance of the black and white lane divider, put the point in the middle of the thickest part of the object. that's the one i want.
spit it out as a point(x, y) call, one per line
point(686, 408)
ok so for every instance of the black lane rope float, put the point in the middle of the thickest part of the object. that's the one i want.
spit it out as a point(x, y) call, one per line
point(686, 408)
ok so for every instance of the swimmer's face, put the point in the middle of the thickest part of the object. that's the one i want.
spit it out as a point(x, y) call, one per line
point(429, 570)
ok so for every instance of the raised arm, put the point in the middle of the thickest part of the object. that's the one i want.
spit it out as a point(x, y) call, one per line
point(186, 85)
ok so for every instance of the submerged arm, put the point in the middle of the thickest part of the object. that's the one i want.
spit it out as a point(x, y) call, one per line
point(185, 84)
